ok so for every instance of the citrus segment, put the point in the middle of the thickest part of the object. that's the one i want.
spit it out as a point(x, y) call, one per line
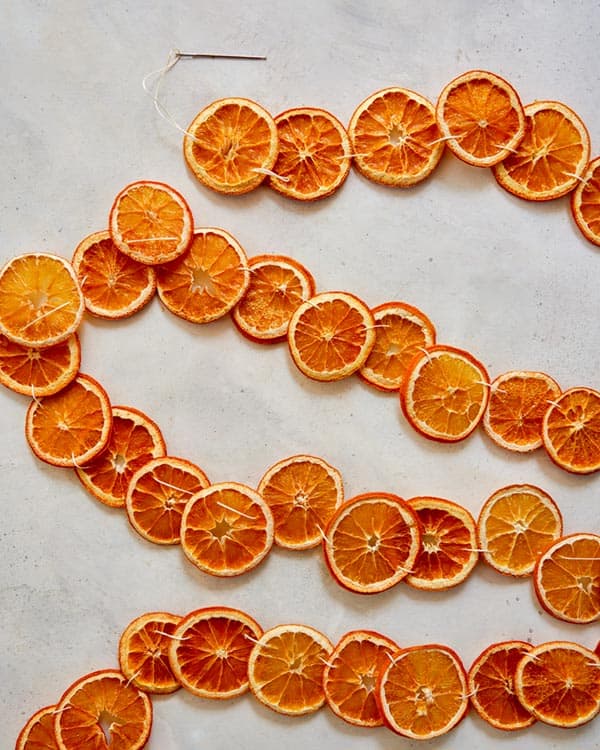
point(585, 202)
point(38, 733)
point(571, 430)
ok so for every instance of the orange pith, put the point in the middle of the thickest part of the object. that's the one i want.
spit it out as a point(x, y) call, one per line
point(208, 281)
point(571, 430)
point(585, 202)
point(286, 666)
point(229, 143)
point(210, 650)
point(113, 284)
point(303, 493)
point(516, 524)
point(38, 733)
point(226, 529)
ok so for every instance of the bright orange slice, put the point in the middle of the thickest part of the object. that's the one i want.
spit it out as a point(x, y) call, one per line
point(448, 551)
point(423, 692)
point(39, 372)
point(226, 529)
point(210, 650)
point(285, 669)
point(231, 144)
point(571, 430)
point(144, 652)
point(151, 222)
point(551, 158)
point(113, 284)
point(559, 682)
point(278, 285)
point(395, 138)
point(516, 408)
point(481, 116)
point(445, 393)
point(372, 542)
point(38, 733)
point(71, 427)
point(303, 493)
point(104, 712)
point(585, 202)
point(516, 524)
point(350, 676)
point(157, 495)
point(208, 281)
point(567, 578)
point(492, 686)
point(331, 335)
point(40, 300)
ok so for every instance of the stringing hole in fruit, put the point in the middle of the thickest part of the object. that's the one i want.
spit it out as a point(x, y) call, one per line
point(202, 282)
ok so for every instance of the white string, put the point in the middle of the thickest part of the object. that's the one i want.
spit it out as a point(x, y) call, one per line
point(75, 464)
point(425, 352)
point(45, 315)
point(34, 397)
point(250, 638)
point(233, 510)
point(60, 710)
point(174, 487)
point(505, 148)
point(270, 173)
point(151, 239)
point(327, 663)
point(172, 637)
point(133, 676)
point(446, 138)
point(576, 177)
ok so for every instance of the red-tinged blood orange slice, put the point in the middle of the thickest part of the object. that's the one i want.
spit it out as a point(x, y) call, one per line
point(38, 732)
point(571, 430)
point(585, 202)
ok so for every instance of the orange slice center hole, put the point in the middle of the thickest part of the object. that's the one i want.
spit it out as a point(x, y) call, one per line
point(119, 463)
point(585, 584)
point(393, 349)
point(296, 665)
point(202, 282)
point(431, 542)
point(106, 720)
point(520, 527)
point(221, 529)
point(368, 682)
point(397, 135)
point(222, 653)
point(301, 499)
point(423, 699)
point(38, 299)
point(373, 543)
point(170, 502)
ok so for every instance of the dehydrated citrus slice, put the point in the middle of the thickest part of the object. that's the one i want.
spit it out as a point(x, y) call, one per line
point(585, 202)
point(71, 427)
point(226, 529)
point(151, 222)
point(395, 138)
point(210, 650)
point(516, 524)
point(103, 711)
point(423, 692)
point(372, 542)
point(314, 154)
point(157, 495)
point(144, 652)
point(571, 430)
point(113, 284)
point(445, 393)
point(230, 144)
point(492, 686)
point(516, 407)
point(286, 666)
point(39, 372)
point(331, 335)
point(208, 281)
point(38, 733)
point(448, 550)
point(303, 493)
point(350, 676)
point(40, 300)
point(278, 285)
point(551, 157)
point(559, 683)
point(483, 114)
point(567, 578)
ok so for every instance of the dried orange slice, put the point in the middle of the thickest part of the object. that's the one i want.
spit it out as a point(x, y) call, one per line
point(303, 493)
point(552, 156)
point(559, 683)
point(331, 335)
point(231, 144)
point(350, 676)
point(395, 138)
point(571, 430)
point(210, 650)
point(492, 686)
point(278, 285)
point(516, 524)
point(314, 154)
point(208, 281)
point(101, 711)
point(157, 495)
point(448, 551)
point(585, 202)
point(423, 692)
point(226, 529)
point(567, 578)
point(445, 393)
point(39, 372)
point(144, 652)
point(113, 284)
point(285, 669)
point(40, 300)
point(38, 733)
point(151, 222)
point(481, 116)
point(71, 427)
point(372, 542)
point(516, 407)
